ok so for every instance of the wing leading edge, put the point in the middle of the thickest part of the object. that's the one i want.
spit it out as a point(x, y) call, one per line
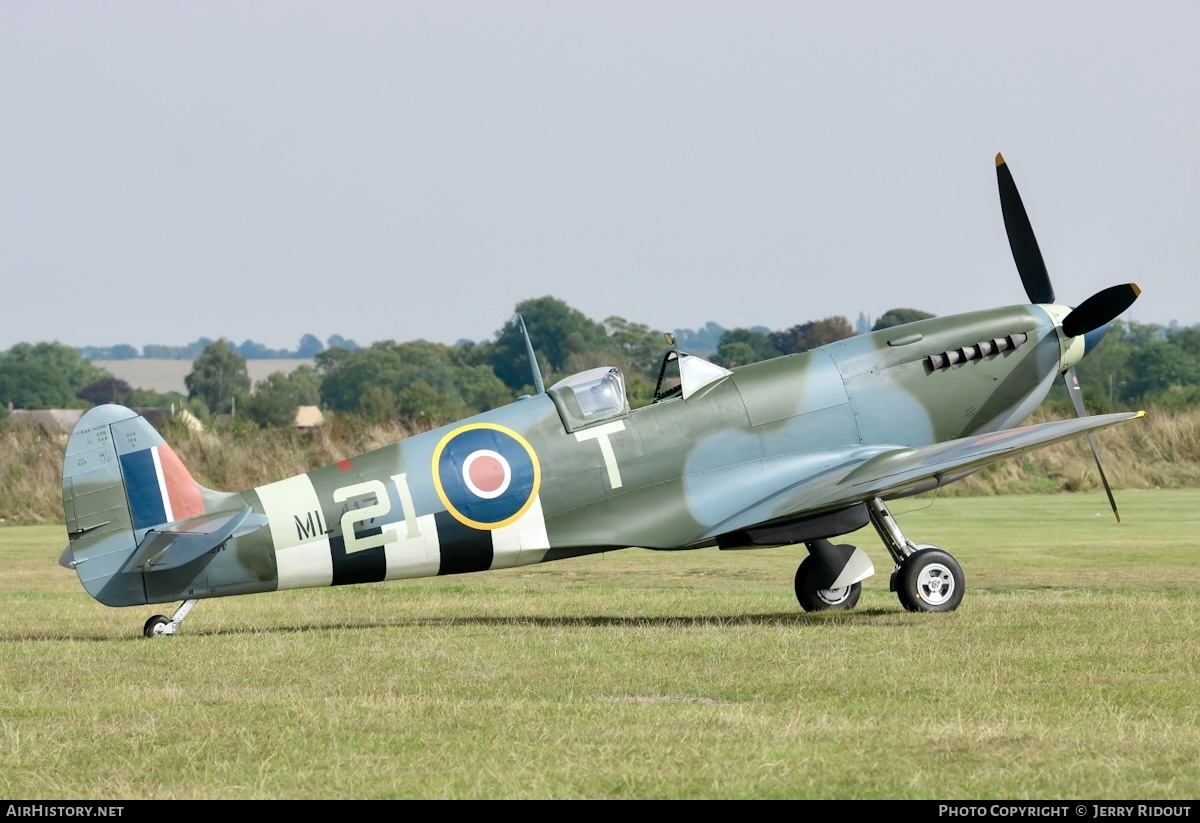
point(898, 470)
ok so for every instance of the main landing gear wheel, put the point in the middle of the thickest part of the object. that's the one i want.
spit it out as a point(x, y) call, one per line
point(813, 599)
point(930, 580)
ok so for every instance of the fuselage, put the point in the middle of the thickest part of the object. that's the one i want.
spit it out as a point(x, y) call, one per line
point(524, 484)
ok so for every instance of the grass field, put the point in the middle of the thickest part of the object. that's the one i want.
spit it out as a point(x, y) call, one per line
point(1071, 671)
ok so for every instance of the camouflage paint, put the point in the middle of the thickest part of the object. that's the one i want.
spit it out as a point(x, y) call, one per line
point(769, 443)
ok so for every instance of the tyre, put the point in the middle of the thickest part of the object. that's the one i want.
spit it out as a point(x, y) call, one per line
point(813, 599)
point(152, 627)
point(930, 580)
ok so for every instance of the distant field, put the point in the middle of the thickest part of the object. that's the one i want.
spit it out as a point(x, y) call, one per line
point(167, 375)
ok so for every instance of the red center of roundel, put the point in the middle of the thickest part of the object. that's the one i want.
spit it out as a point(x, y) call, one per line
point(486, 473)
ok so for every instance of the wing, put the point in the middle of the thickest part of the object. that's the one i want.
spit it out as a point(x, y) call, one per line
point(892, 472)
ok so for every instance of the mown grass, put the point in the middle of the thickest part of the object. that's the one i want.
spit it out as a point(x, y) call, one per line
point(1069, 672)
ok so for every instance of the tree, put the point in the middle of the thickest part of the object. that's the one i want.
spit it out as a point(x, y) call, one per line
point(740, 346)
point(45, 375)
point(378, 404)
point(424, 381)
point(336, 341)
point(1140, 361)
point(1142, 334)
point(701, 342)
point(1103, 374)
point(122, 351)
point(1188, 339)
point(277, 396)
point(189, 352)
point(309, 346)
point(480, 388)
point(331, 360)
point(557, 331)
point(347, 376)
point(1160, 366)
point(302, 385)
point(639, 346)
point(736, 353)
point(811, 335)
point(252, 350)
point(30, 386)
point(217, 375)
point(55, 358)
point(422, 403)
point(267, 409)
point(105, 390)
point(898, 317)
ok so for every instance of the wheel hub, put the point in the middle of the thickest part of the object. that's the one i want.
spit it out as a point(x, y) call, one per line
point(936, 584)
point(834, 596)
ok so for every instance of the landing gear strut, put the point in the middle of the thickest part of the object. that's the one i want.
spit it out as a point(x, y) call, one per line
point(159, 625)
point(926, 579)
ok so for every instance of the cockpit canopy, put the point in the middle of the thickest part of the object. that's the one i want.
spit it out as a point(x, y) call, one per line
point(598, 394)
point(590, 396)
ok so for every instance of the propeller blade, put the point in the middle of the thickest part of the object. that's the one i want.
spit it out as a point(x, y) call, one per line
point(1100, 308)
point(1076, 392)
point(1021, 240)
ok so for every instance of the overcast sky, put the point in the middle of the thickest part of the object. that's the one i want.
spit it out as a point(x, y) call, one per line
point(404, 170)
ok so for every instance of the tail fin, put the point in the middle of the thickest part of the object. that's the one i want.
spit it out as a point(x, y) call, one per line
point(120, 479)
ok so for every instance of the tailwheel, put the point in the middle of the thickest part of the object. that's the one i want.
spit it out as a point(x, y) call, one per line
point(930, 580)
point(159, 625)
point(155, 626)
point(813, 599)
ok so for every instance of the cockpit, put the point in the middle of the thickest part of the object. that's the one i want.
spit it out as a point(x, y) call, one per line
point(598, 394)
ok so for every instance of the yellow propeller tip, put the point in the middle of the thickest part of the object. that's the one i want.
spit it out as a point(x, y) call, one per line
point(1136, 289)
point(999, 159)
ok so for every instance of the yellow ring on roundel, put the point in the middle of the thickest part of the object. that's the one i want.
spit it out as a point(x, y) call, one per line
point(441, 491)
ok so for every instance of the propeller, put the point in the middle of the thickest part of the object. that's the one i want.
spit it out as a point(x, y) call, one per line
point(1096, 312)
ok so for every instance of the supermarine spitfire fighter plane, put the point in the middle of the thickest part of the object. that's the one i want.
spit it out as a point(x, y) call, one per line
point(792, 451)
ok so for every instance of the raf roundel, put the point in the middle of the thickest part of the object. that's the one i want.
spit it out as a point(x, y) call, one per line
point(486, 475)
